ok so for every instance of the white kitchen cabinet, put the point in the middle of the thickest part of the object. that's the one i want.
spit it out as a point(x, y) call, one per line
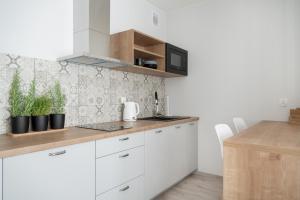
point(177, 153)
point(191, 140)
point(66, 173)
point(116, 169)
point(170, 155)
point(133, 190)
point(157, 166)
point(120, 143)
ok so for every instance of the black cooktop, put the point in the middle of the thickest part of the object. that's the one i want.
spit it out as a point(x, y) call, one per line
point(110, 126)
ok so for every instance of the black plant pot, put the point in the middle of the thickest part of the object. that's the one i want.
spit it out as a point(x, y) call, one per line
point(19, 124)
point(39, 123)
point(57, 121)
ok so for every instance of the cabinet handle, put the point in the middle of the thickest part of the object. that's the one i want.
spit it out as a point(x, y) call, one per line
point(159, 131)
point(125, 188)
point(124, 156)
point(191, 124)
point(58, 153)
point(178, 127)
point(124, 139)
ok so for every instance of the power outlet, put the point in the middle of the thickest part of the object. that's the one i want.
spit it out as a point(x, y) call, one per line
point(283, 102)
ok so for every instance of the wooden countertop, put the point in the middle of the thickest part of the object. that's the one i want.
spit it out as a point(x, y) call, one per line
point(12, 146)
point(279, 137)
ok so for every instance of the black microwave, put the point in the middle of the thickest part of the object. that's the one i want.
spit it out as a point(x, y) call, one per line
point(176, 60)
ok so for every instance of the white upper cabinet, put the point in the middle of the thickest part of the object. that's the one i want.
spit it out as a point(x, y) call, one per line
point(66, 173)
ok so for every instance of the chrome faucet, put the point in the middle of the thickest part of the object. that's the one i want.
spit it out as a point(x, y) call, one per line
point(156, 112)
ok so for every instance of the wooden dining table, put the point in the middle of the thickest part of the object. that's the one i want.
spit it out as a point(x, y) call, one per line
point(263, 163)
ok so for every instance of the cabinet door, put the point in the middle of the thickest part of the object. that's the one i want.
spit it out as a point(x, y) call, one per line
point(191, 132)
point(177, 152)
point(156, 161)
point(66, 173)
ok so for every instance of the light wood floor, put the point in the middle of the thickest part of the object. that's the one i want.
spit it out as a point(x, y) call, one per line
point(198, 186)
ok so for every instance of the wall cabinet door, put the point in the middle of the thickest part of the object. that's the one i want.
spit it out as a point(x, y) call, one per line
point(156, 161)
point(66, 173)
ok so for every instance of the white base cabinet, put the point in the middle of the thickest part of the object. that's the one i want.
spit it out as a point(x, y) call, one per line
point(170, 155)
point(157, 165)
point(137, 166)
point(191, 153)
point(66, 173)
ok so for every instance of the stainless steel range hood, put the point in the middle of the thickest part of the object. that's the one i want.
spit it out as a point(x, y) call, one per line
point(91, 22)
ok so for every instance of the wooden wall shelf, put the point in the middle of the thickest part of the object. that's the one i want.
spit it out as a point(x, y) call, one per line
point(147, 71)
point(132, 44)
point(146, 54)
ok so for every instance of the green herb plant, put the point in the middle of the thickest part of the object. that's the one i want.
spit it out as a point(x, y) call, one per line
point(42, 105)
point(58, 99)
point(20, 105)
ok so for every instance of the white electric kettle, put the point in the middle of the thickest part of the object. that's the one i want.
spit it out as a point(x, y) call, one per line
point(130, 112)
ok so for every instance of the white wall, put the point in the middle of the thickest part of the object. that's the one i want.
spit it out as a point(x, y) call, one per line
point(44, 29)
point(36, 28)
point(243, 57)
point(137, 14)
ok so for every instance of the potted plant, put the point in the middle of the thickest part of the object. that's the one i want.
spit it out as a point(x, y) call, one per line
point(57, 116)
point(20, 105)
point(40, 113)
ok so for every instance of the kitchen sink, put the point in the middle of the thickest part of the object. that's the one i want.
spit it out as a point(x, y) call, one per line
point(163, 118)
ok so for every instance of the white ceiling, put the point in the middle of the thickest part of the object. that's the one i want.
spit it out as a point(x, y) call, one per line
point(171, 4)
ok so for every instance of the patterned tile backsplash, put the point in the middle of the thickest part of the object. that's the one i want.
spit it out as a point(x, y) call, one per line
point(93, 93)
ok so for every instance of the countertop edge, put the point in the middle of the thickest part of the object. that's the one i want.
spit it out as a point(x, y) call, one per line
point(89, 138)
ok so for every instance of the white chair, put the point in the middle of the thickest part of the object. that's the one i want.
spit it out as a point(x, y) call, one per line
point(223, 132)
point(239, 124)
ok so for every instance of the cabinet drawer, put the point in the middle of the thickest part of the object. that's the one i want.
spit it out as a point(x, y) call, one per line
point(133, 190)
point(117, 169)
point(116, 144)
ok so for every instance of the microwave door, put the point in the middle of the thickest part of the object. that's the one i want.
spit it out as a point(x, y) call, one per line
point(176, 61)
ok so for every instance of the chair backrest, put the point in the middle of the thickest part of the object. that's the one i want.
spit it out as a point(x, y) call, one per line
point(239, 124)
point(223, 132)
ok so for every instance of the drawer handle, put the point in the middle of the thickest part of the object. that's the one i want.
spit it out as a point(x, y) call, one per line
point(124, 139)
point(159, 131)
point(125, 188)
point(58, 153)
point(124, 156)
point(178, 127)
point(191, 124)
